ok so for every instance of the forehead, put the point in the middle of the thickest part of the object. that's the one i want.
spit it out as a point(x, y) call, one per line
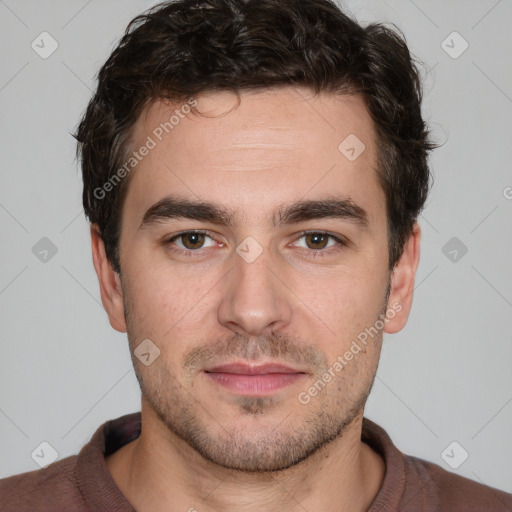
point(276, 145)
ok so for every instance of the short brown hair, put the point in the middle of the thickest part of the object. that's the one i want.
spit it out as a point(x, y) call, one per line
point(179, 49)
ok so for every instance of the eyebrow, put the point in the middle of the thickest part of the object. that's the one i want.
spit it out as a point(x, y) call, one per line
point(169, 208)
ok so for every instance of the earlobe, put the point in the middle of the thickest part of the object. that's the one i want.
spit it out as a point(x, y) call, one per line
point(402, 284)
point(109, 281)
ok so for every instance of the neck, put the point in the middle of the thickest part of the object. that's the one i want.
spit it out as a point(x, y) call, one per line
point(160, 472)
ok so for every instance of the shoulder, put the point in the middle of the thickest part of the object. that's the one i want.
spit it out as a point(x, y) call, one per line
point(453, 492)
point(41, 490)
point(412, 484)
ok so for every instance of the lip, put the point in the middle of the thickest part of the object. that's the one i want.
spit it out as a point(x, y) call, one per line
point(246, 369)
point(254, 380)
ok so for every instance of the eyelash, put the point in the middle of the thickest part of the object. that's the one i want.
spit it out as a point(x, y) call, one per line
point(320, 253)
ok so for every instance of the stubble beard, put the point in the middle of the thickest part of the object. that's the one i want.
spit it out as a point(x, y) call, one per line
point(293, 439)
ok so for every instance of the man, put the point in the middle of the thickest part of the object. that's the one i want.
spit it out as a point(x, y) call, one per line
point(253, 172)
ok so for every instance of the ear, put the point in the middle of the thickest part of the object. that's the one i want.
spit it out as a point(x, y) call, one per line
point(402, 283)
point(110, 283)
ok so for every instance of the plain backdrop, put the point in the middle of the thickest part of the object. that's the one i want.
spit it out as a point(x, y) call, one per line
point(445, 378)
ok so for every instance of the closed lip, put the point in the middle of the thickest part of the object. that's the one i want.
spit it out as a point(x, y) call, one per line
point(247, 369)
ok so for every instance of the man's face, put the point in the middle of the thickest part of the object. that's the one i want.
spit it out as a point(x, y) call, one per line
point(256, 290)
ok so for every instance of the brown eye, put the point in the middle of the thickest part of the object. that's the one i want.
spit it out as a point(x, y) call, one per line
point(320, 243)
point(192, 240)
point(317, 240)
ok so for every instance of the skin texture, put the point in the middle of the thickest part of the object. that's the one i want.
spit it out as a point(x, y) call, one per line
point(201, 445)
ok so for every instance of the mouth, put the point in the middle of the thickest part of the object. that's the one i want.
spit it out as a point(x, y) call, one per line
point(254, 380)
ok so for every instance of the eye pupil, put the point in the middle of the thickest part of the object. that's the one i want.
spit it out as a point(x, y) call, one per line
point(197, 240)
point(317, 237)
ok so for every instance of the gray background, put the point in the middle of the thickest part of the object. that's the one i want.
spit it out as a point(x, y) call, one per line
point(446, 377)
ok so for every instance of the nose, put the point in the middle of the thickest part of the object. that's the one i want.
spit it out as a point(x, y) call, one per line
point(255, 300)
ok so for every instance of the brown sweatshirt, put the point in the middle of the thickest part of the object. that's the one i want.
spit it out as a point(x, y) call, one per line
point(81, 483)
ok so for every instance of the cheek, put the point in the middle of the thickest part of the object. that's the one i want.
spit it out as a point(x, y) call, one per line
point(346, 300)
point(165, 301)
point(149, 299)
